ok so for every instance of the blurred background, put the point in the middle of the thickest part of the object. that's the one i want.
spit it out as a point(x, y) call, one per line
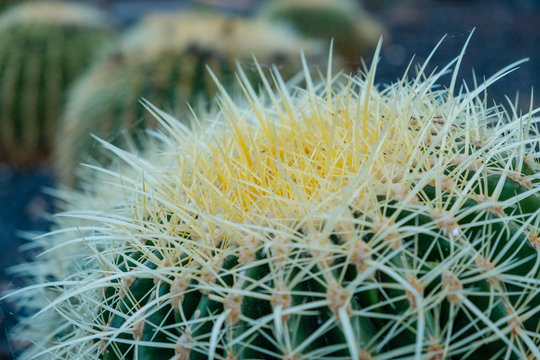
point(505, 31)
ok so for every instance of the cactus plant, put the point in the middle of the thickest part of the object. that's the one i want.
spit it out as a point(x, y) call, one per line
point(43, 47)
point(354, 31)
point(164, 60)
point(335, 221)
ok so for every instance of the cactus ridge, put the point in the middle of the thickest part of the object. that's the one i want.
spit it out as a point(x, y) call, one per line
point(164, 60)
point(43, 48)
point(334, 221)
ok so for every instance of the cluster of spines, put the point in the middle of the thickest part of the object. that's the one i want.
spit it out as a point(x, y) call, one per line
point(403, 224)
point(165, 60)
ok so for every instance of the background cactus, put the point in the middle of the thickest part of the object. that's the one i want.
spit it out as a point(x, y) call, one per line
point(354, 31)
point(164, 60)
point(43, 47)
point(336, 221)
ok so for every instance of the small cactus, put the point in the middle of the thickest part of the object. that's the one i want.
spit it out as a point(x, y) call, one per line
point(164, 60)
point(43, 47)
point(339, 221)
point(355, 33)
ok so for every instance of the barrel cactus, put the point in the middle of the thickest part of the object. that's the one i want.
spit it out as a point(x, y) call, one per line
point(43, 47)
point(354, 31)
point(336, 221)
point(164, 60)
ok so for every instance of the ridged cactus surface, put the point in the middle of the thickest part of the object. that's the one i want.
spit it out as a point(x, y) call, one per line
point(336, 221)
point(164, 60)
point(355, 32)
point(43, 47)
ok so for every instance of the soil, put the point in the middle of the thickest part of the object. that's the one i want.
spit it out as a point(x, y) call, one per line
point(504, 31)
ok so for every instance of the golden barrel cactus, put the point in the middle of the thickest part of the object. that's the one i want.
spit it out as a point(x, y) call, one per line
point(335, 221)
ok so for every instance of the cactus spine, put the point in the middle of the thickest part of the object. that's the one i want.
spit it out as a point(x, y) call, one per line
point(43, 47)
point(337, 221)
point(164, 60)
point(355, 32)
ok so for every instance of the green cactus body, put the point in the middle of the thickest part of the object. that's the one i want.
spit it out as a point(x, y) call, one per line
point(355, 33)
point(164, 60)
point(43, 47)
point(338, 221)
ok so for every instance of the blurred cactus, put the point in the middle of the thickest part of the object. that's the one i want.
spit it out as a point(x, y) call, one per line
point(354, 31)
point(340, 221)
point(43, 47)
point(164, 60)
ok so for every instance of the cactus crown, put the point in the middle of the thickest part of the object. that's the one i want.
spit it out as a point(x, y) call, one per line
point(336, 221)
point(164, 60)
point(234, 37)
point(52, 12)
